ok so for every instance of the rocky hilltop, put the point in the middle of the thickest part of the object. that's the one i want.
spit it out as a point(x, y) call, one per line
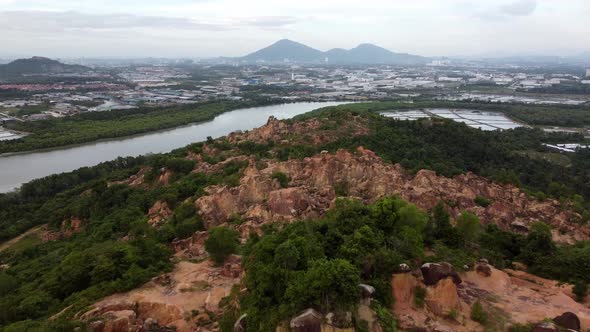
point(271, 191)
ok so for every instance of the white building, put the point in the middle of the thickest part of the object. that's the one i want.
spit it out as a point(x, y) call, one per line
point(588, 72)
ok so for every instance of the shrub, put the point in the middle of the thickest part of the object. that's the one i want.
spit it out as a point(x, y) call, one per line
point(341, 189)
point(453, 314)
point(180, 165)
point(482, 201)
point(580, 290)
point(221, 243)
point(478, 314)
point(386, 320)
point(419, 296)
point(468, 227)
point(282, 178)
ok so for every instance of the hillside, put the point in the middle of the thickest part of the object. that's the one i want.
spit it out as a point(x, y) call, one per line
point(38, 65)
point(287, 50)
point(339, 218)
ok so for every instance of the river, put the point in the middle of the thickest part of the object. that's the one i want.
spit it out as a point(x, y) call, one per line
point(17, 169)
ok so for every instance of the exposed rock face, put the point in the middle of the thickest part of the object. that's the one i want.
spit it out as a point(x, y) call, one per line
point(134, 180)
point(443, 298)
point(526, 298)
point(170, 300)
point(159, 213)
point(282, 131)
point(232, 267)
point(260, 199)
point(433, 272)
point(568, 320)
point(193, 247)
point(402, 287)
point(67, 228)
point(521, 297)
point(165, 176)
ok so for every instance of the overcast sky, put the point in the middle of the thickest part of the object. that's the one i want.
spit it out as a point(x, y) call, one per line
point(204, 28)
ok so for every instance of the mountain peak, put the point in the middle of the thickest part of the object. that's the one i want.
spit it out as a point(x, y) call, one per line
point(38, 65)
point(285, 49)
point(286, 41)
point(292, 51)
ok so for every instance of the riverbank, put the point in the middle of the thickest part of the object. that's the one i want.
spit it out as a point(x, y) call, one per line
point(90, 127)
point(19, 168)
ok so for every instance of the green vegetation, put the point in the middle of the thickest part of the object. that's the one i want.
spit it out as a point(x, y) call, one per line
point(419, 296)
point(94, 126)
point(386, 320)
point(45, 277)
point(221, 243)
point(316, 263)
point(453, 314)
point(482, 201)
point(451, 148)
point(478, 313)
point(320, 263)
point(580, 290)
point(282, 178)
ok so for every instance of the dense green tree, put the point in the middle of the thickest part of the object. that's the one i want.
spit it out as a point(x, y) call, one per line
point(221, 243)
point(538, 244)
point(580, 290)
point(468, 227)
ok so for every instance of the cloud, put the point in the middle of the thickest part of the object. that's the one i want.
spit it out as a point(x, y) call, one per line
point(46, 21)
point(270, 21)
point(519, 8)
point(506, 10)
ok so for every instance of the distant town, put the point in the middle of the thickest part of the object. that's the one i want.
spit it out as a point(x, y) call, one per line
point(61, 89)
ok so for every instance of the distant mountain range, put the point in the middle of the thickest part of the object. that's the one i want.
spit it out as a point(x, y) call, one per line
point(38, 65)
point(286, 50)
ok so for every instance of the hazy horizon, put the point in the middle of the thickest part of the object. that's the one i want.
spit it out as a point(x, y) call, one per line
point(210, 28)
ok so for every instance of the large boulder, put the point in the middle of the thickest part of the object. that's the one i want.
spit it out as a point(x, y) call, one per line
point(433, 272)
point(367, 293)
point(308, 321)
point(568, 320)
point(483, 269)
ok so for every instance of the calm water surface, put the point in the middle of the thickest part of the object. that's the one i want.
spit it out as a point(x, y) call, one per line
point(21, 168)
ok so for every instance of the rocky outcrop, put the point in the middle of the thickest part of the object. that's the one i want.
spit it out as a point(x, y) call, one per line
point(433, 272)
point(193, 247)
point(363, 175)
point(402, 287)
point(135, 180)
point(443, 298)
point(518, 297)
point(299, 132)
point(308, 321)
point(180, 299)
point(568, 320)
point(159, 213)
point(68, 227)
point(483, 268)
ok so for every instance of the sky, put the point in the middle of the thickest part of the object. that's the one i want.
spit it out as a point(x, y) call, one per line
point(208, 28)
